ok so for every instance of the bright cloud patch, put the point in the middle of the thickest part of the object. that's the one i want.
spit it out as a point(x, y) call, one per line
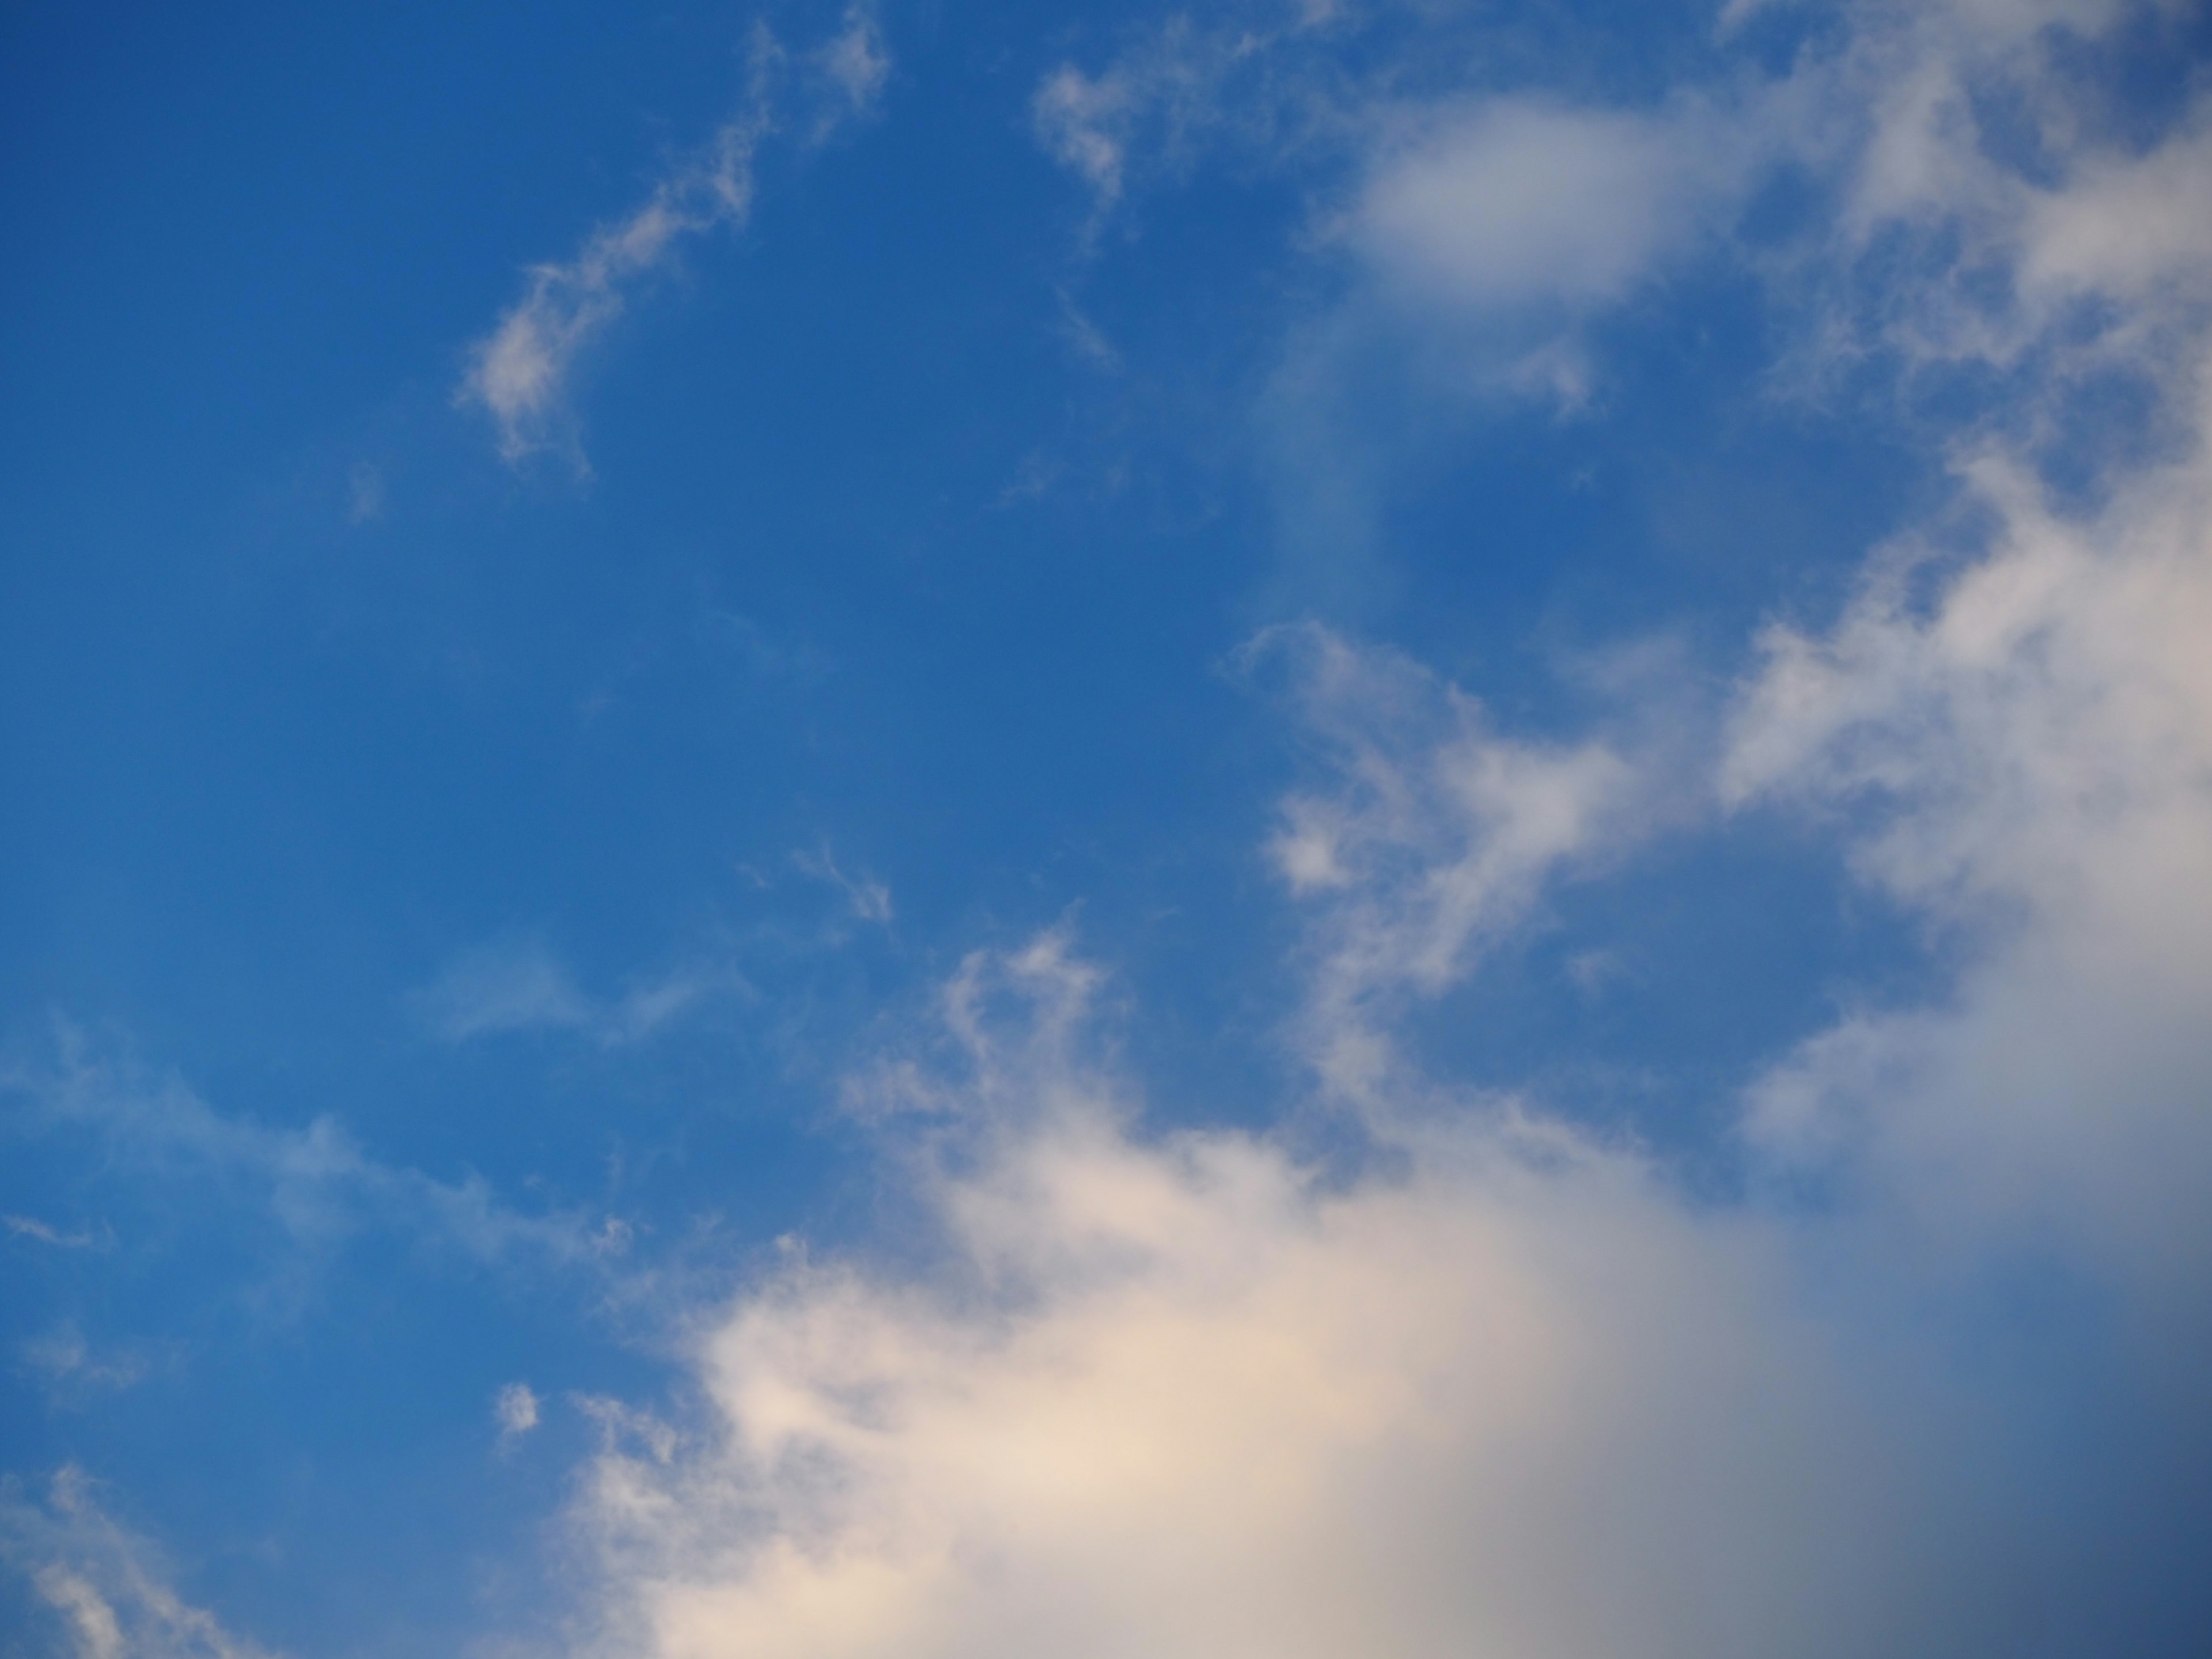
point(1350, 1340)
point(1522, 203)
point(1198, 1397)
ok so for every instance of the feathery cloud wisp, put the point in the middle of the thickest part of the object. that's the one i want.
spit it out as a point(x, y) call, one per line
point(519, 374)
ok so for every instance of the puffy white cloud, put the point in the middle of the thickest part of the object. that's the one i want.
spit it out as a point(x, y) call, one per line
point(1485, 1383)
point(1193, 1396)
point(2028, 758)
point(2013, 730)
point(1519, 201)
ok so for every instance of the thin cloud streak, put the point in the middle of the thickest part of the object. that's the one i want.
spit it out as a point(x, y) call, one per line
point(519, 374)
point(108, 1590)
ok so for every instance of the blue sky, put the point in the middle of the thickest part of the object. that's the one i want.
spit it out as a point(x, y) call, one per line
point(846, 831)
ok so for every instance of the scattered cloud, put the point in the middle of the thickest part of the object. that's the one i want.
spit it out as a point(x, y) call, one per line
point(515, 1410)
point(315, 1182)
point(2027, 760)
point(856, 62)
point(107, 1589)
point(24, 1226)
point(519, 374)
point(1516, 202)
point(1476, 824)
point(1168, 93)
point(1485, 1380)
point(520, 985)
point(68, 1368)
point(868, 899)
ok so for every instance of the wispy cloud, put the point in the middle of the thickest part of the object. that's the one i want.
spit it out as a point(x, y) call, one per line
point(521, 985)
point(1439, 834)
point(519, 374)
point(108, 1591)
point(314, 1182)
point(868, 899)
point(856, 65)
point(25, 1226)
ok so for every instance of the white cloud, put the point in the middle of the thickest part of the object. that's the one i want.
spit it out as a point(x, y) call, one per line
point(1491, 1385)
point(520, 985)
point(1197, 1397)
point(68, 1367)
point(1171, 92)
point(515, 1410)
point(1437, 838)
point(516, 987)
point(315, 1183)
point(519, 374)
point(2029, 759)
point(2014, 736)
point(868, 899)
point(857, 63)
point(1518, 202)
point(107, 1588)
point(25, 1226)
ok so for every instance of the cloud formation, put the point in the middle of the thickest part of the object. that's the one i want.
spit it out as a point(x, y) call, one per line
point(1519, 202)
point(1198, 1395)
point(315, 1183)
point(519, 374)
point(1466, 1377)
point(106, 1589)
point(521, 985)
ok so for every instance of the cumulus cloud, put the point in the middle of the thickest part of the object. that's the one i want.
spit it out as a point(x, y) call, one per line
point(1465, 1378)
point(2028, 759)
point(2011, 722)
point(1198, 1395)
point(107, 1590)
